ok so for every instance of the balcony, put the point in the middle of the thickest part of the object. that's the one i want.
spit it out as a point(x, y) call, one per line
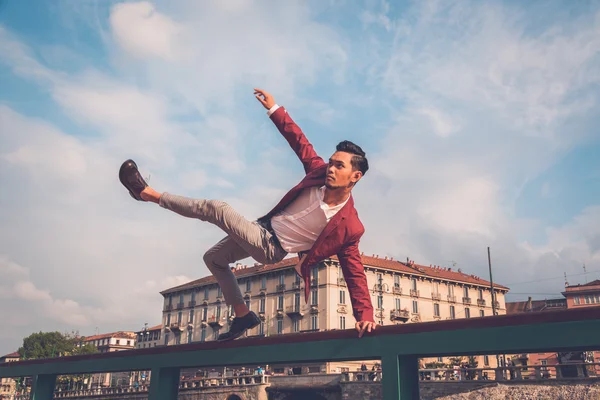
point(397, 290)
point(192, 303)
point(398, 346)
point(414, 293)
point(215, 322)
point(481, 302)
point(399, 315)
point(280, 287)
point(296, 285)
point(168, 307)
point(341, 282)
point(314, 282)
point(436, 296)
point(180, 306)
point(451, 299)
point(176, 326)
point(466, 300)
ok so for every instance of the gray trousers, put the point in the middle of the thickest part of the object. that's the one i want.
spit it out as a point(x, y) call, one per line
point(244, 239)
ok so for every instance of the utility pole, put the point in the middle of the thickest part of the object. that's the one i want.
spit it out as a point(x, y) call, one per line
point(492, 283)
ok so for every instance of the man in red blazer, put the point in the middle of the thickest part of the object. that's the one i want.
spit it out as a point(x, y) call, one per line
point(315, 219)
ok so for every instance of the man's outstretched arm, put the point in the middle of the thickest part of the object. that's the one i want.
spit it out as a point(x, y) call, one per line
point(290, 131)
point(354, 274)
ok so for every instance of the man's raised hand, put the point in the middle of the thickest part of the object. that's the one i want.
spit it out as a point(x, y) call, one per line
point(265, 98)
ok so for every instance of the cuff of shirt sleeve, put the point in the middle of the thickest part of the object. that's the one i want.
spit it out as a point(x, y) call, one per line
point(272, 110)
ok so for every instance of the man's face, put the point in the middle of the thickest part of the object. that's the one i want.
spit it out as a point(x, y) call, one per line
point(339, 171)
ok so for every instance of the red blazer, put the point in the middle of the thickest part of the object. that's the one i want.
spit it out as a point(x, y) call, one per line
point(343, 232)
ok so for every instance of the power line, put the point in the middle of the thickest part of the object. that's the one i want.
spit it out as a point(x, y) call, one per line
point(548, 279)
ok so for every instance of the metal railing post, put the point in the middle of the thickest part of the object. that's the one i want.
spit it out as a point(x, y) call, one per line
point(390, 381)
point(164, 384)
point(409, 377)
point(43, 387)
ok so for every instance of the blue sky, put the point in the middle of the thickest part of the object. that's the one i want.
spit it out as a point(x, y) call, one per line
point(479, 120)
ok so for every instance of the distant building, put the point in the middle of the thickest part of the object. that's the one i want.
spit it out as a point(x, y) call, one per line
point(110, 342)
point(575, 296)
point(146, 338)
point(400, 291)
point(8, 386)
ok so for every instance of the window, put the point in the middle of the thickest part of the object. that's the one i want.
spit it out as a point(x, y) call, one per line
point(216, 333)
point(577, 301)
point(297, 301)
point(168, 319)
point(193, 295)
point(204, 313)
point(314, 322)
point(436, 287)
point(129, 343)
point(452, 313)
point(218, 316)
point(190, 333)
point(413, 284)
point(450, 290)
point(486, 360)
point(179, 316)
point(263, 282)
point(415, 307)
point(315, 275)
point(342, 297)
point(295, 325)
point(279, 326)
point(191, 318)
point(466, 291)
point(467, 312)
point(219, 292)
point(481, 313)
point(248, 285)
point(203, 335)
point(397, 304)
point(441, 359)
point(380, 301)
point(166, 339)
point(206, 290)
point(280, 303)
point(342, 322)
point(281, 278)
point(436, 310)
point(177, 339)
point(261, 305)
point(181, 298)
point(480, 294)
point(118, 342)
point(397, 281)
point(314, 297)
point(261, 328)
point(170, 300)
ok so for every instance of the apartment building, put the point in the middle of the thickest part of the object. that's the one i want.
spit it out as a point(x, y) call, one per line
point(401, 292)
point(8, 386)
point(109, 342)
point(149, 337)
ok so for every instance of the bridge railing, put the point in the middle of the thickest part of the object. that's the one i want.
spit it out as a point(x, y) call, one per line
point(399, 348)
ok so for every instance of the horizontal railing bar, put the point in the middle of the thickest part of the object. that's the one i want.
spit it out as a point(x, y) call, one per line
point(471, 336)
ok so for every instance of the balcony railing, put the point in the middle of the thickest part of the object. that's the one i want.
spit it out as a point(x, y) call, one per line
point(397, 290)
point(399, 348)
point(191, 303)
point(294, 311)
point(436, 296)
point(179, 306)
point(481, 302)
point(399, 315)
point(466, 300)
point(168, 307)
point(451, 299)
point(280, 287)
point(414, 293)
point(341, 282)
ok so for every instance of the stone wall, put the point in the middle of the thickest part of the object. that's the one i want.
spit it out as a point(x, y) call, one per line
point(361, 390)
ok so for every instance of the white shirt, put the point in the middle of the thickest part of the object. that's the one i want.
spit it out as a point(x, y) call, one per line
point(299, 225)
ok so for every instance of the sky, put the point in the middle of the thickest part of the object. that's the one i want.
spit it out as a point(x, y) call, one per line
point(479, 120)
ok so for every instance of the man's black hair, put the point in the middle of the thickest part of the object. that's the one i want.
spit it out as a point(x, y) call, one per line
point(359, 160)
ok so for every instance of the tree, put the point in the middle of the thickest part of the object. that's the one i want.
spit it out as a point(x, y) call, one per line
point(455, 361)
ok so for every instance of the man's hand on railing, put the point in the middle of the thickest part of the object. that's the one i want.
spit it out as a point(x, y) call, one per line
point(365, 326)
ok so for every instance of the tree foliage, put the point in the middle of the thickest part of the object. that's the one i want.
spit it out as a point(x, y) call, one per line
point(53, 344)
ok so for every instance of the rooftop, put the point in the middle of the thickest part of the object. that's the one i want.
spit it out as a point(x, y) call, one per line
point(517, 307)
point(408, 267)
point(12, 355)
point(118, 335)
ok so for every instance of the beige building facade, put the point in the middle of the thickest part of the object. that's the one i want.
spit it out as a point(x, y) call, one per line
point(109, 342)
point(8, 386)
point(400, 292)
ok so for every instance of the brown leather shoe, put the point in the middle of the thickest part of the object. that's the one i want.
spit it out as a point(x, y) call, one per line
point(131, 178)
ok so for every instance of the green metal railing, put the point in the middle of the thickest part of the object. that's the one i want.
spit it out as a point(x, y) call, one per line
point(398, 347)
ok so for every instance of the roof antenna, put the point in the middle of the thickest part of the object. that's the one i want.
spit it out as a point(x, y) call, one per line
point(585, 274)
point(566, 283)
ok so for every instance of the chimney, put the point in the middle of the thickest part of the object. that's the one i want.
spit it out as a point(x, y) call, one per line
point(529, 305)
